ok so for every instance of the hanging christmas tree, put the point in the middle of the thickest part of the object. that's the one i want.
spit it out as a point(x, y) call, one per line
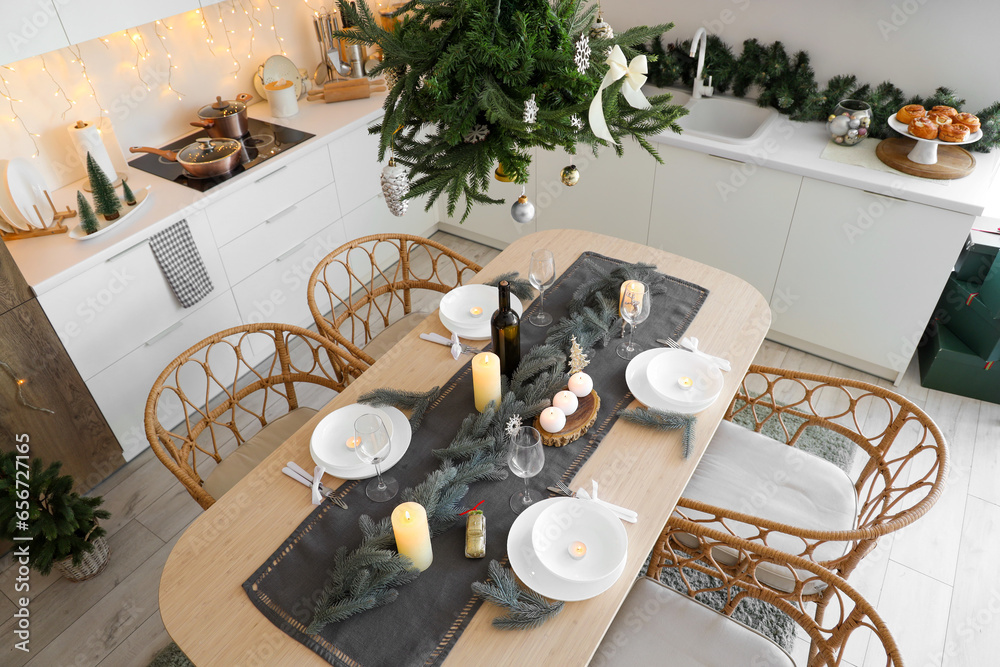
point(465, 64)
point(88, 221)
point(106, 200)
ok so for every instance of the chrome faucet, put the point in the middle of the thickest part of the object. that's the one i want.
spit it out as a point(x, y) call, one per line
point(700, 89)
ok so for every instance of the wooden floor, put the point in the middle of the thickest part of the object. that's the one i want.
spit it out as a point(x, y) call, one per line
point(937, 583)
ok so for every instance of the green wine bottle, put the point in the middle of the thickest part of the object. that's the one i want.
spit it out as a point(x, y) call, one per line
point(505, 328)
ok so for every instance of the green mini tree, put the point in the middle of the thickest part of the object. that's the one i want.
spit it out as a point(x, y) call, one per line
point(127, 193)
point(60, 522)
point(88, 221)
point(106, 200)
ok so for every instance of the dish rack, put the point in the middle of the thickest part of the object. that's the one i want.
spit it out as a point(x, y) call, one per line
point(42, 228)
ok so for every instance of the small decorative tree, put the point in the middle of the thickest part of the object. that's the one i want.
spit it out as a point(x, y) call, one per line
point(127, 193)
point(88, 221)
point(106, 200)
point(577, 359)
point(62, 524)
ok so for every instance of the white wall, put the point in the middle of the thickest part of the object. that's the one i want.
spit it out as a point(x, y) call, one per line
point(916, 44)
point(140, 116)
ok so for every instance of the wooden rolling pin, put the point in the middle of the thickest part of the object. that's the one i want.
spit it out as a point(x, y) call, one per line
point(340, 91)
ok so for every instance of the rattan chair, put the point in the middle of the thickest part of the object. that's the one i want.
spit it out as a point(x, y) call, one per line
point(898, 472)
point(658, 625)
point(363, 289)
point(214, 393)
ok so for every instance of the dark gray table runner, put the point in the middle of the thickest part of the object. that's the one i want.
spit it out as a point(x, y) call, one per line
point(424, 623)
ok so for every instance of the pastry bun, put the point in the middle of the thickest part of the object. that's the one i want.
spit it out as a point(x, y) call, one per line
point(948, 111)
point(910, 113)
point(953, 132)
point(924, 128)
point(939, 118)
point(969, 120)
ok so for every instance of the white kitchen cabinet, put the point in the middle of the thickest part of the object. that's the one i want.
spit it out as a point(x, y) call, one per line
point(727, 214)
point(87, 19)
point(613, 195)
point(861, 274)
point(30, 29)
point(358, 173)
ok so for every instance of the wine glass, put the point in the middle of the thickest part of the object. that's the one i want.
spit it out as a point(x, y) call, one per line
point(634, 308)
point(373, 445)
point(525, 458)
point(542, 274)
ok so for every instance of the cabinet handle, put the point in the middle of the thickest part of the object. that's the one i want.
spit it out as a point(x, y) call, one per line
point(727, 159)
point(285, 255)
point(264, 178)
point(163, 334)
point(125, 251)
point(278, 216)
point(879, 194)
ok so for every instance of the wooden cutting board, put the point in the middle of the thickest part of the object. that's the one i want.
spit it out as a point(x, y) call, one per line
point(953, 161)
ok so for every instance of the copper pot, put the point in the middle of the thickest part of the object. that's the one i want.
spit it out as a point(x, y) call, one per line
point(225, 119)
point(204, 158)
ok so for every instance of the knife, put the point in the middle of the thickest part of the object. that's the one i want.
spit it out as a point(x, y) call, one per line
point(298, 473)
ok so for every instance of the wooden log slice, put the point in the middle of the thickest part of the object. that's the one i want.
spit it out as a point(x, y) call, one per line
point(953, 162)
point(577, 423)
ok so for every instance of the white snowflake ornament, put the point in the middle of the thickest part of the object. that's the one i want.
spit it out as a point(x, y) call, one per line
point(530, 111)
point(582, 58)
point(395, 185)
point(575, 121)
point(477, 134)
point(513, 425)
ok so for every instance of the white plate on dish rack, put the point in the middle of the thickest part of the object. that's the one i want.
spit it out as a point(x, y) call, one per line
point(20, 192)
point(127, 212)
point(529, 569)
point(328, 444)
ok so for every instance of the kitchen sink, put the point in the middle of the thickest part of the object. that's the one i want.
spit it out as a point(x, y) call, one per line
point(726, 119)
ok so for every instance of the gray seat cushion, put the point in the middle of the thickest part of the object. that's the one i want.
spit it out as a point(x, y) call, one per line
point(392, 334)
point(753, 474)
point(656, 625)
point(247, 456)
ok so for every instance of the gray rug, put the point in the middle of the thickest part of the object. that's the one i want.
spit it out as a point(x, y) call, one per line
point(171, 656)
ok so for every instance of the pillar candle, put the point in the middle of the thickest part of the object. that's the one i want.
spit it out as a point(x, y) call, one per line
point(413, 535)
point(638, 290)
point(485, 379)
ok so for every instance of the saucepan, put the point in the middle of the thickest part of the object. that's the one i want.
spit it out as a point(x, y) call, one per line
point(204, 158)
point(224, 119)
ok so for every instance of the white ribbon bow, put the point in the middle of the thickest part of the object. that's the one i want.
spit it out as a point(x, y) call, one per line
point(635, 76)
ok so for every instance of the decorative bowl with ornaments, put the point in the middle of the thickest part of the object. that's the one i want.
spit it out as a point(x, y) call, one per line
point(574, 409)
point(850, 122)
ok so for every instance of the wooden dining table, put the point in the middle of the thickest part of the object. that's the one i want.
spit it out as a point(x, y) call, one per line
point(208, 614)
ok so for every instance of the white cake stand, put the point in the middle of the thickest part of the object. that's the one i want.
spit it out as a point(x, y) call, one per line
point(926, 150)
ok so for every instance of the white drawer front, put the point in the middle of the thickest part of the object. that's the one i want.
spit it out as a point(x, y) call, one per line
point(269, 195)
point(282, 232)
point(117, 306)
point(121, 390)
point(355, 163)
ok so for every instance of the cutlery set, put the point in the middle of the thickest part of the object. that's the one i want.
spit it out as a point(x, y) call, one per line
point(298, 473)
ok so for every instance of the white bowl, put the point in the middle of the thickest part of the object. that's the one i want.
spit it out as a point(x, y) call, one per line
point(562, 524)
point(456, 306)
point(666, 370)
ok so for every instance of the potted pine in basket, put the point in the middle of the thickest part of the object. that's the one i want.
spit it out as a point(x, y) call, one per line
point(37, 502)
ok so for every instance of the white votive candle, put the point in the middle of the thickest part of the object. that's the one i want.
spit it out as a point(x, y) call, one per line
point(685, 382)
point(566, 401)
point(580, 384)
point(353, 442)
point(577, 550)
point(552, 420)
point(475, 311)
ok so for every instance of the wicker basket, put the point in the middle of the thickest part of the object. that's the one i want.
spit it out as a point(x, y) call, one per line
point(93, 562)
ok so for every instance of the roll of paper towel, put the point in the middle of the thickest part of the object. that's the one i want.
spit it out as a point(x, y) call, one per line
point(87, 139)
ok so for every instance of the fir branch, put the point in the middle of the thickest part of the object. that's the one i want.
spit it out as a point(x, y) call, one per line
point(663, 420)
point(416, 402)
point(526, 609)
point(519, 287)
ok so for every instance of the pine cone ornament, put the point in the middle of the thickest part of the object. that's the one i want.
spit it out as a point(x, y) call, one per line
point(395, 185)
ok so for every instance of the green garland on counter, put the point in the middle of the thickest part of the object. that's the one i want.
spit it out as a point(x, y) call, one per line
point(368, 576)
point(788, 83)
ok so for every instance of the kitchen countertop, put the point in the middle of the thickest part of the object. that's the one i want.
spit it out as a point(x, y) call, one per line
point(49, 261)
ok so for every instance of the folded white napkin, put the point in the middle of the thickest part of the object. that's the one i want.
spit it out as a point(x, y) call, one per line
point(622, 513)
point(317, 497)
point(453, 342)
point(692, 344)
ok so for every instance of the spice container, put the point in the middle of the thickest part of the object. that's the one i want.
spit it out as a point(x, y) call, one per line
point(475, 534)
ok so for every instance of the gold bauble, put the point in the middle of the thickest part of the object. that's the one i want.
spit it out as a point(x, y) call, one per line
point(504, 176)
point(570, 175)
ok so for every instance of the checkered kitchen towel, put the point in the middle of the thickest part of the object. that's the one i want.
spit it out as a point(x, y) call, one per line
point(181, 262)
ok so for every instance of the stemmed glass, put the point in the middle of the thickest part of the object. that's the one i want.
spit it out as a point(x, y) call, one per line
point(373, 445)
point(634, 308)
point(542, 274)
point(525, 458)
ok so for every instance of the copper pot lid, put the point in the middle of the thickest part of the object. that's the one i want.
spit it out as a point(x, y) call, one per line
point(208, 150)
point(222, 108)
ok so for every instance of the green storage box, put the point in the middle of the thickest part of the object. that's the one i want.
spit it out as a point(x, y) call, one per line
point(977, 257)
point(947, 364)
point(962, 310)
point(989, 291)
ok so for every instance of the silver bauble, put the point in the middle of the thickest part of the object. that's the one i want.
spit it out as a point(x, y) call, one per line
point(522, 210)
point(601, 29)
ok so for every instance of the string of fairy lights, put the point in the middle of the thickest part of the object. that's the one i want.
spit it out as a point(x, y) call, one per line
point(142, 53)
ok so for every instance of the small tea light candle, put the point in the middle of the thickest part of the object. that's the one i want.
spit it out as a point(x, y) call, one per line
point(475, 311)
point(580, 384)
point(552, 420)
point(685, 382)
point(566, 401)
point(353, 442)
point(577, 550)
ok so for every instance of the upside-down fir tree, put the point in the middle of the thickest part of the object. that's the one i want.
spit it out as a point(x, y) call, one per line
point(88, 221)
point(465, 64)
point(127, 193)
point(106, 200)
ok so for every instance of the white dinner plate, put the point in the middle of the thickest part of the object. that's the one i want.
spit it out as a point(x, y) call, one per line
point(536, 576)
point(5, 226)
point(127, 213)
point(328, 443)
point(666, 369)
point(560, 525)
point(274, 68)
point(21, 187)
point(456, 305)
point(638, 383)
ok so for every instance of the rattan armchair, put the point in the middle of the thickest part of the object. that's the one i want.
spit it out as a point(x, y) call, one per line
point(215, 394)
point(898, 472)
point(654, 622)
point(364, 287)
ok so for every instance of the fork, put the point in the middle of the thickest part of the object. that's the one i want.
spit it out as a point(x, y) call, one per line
point(297, 473)
point(670, 342)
